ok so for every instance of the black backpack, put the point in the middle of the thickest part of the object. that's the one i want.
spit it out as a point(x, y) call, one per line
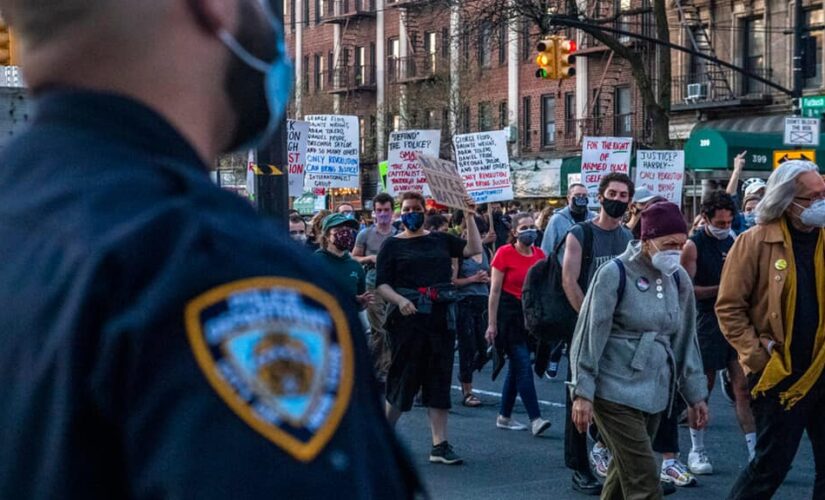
point(548, 315)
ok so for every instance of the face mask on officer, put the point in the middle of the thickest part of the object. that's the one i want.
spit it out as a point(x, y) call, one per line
point(259, 77)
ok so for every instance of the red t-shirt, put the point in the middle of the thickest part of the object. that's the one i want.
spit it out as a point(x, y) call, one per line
point(515, 266)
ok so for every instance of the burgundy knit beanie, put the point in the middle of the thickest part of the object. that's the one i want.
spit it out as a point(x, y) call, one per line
point(662, 219)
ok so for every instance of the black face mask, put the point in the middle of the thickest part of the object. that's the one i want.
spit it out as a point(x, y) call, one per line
point(245, 85)
point(614, 208)
point(579, 205)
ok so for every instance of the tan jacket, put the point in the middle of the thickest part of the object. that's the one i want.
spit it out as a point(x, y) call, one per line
point(751, 297)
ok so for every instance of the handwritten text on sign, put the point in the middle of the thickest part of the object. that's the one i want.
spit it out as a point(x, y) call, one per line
point(662, 172)
point(332, 152)
point(600, 156)
point(484, 165)
point(296, 146)
point(446, 185)
point(404, 171)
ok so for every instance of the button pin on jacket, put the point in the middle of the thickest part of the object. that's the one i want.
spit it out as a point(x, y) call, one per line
point(643, 284)
point(781, 264)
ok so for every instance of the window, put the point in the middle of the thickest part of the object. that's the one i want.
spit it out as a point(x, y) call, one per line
point(360, 68)
point(465, 49)
point(362, 129)
point(623, 119)
point(548, 120)
point(431, 50)
point(289, 6)
point(503, 115)
point(697, 72)
point(330, 67)
point(393, 66)
point(569, 114)
point(812, 18)
point(305, 18)
point(502, 42)
point(485, 35)
point(526, 48)
point(319, 72)
point(753, 52)
point(485, 117)
point(525, 120)
point(445, 43)
point(466, 119)
point(595, 105)
point(396, 123)
point(319, 9)
point(305, 75)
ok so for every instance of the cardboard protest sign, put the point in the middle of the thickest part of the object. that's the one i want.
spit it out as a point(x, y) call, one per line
point(296, 146)
point(600, 156)
point(446, 185)
point(662, 172)
point(484, 165)
point(403, 170)
point(332, 159)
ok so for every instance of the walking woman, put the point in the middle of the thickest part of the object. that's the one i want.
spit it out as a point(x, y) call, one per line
point(505, 325)
point(414, 275)
point(635, 344)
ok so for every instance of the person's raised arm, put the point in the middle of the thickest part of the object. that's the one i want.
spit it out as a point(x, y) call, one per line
point(570, 270)
point(474, 246)
point(738, 166)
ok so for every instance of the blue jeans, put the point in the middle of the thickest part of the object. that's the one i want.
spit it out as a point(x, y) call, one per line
point(519, 380)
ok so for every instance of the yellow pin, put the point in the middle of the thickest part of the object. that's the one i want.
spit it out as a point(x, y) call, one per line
point(781, 264)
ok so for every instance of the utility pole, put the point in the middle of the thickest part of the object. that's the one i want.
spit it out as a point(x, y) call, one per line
point(798, 81)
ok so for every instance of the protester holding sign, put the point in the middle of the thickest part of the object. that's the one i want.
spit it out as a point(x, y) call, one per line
point(505, 324)
point(414, 274)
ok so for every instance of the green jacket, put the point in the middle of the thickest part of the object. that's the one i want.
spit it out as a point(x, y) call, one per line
point(349, 273)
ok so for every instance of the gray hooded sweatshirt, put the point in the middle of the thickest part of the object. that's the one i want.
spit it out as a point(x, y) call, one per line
point(639, 353)
point(557, 228)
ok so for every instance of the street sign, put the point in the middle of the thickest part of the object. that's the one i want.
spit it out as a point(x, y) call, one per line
point(780, 157)
point(801, 131)
point(813, 106)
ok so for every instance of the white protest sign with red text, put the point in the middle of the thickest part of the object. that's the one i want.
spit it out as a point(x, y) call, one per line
point(662, 172)
point(484, 165)
point(296, 146)
point(403, 169)
point(600, 156)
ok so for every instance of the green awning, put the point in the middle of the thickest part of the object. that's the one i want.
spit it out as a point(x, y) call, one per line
point(572, 165)
point(714, 149)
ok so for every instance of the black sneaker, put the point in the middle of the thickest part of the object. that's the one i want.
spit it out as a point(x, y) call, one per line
point(585, 482)
point(443, 453)
point(727, 386)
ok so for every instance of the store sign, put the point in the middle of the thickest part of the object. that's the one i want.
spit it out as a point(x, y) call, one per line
point(801, 131)
point(781, 156)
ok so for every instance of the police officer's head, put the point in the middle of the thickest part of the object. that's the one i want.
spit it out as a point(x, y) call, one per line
point(216, 69)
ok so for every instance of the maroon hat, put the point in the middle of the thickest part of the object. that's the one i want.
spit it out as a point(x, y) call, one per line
point(662, 219)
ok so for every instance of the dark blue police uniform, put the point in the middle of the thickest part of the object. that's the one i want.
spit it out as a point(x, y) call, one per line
point(158, 340)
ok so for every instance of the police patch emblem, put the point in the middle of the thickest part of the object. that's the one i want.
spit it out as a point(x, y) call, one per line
point(278, 351)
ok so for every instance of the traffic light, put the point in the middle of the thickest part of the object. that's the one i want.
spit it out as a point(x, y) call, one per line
point(7, 56)
point(546, 59)
point(565, 56)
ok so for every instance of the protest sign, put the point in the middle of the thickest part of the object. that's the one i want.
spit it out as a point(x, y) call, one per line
point(600, 156)
point(446, 185)
point(662, 172)
point(332, 159)
point(296, 145)
point(484, 165)
point(404, 171)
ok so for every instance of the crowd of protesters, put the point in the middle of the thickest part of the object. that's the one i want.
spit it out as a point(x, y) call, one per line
point(663, 310)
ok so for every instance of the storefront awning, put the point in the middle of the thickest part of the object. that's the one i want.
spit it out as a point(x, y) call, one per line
point(713, 145)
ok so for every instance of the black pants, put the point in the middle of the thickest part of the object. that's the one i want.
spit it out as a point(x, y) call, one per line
point(666, 439)
point(778, 433)
point(472, 325)
point(575, 442)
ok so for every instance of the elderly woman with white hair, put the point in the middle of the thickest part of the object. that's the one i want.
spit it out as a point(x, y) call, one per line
point(771, 308)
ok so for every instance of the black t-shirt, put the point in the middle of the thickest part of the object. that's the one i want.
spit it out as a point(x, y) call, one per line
point(806, 317)
point(501, 225)
point(711, 253)
point(418, 262)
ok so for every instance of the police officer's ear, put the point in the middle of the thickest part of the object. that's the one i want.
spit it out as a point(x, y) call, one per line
point(213, 15)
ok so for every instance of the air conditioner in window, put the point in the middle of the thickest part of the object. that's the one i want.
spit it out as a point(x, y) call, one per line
point(696, 91)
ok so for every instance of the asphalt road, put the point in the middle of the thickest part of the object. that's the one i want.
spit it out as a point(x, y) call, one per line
point(506, 464)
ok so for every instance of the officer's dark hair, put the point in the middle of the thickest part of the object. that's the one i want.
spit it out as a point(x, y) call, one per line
point(297, 219)
point(383, 198)
point(717, 200)
point(412, 195)
point(616, 177)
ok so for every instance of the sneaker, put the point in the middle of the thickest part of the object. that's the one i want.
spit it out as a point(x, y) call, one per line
point(540, 425)
point(698, 463)
point(552, 370)
point(678, 474)
point(727, 386)
point(600, 458)
point(509, 424)
point(443, 453)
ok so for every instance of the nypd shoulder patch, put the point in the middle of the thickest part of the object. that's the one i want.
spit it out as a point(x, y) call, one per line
point(279, 352)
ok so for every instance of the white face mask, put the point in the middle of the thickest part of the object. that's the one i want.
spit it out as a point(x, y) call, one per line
point(719, 233)
point(813, 216)
point(666, 261)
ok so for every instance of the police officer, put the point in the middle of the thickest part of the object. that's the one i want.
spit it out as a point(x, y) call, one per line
point(159, 339)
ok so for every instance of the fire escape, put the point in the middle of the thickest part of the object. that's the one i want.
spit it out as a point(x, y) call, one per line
point(353, 68)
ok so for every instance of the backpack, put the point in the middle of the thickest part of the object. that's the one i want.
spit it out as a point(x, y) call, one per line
point(548, 315)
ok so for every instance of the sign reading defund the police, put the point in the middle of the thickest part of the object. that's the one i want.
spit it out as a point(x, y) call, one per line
point(296, 146)
point(600, 156)
point(403, 168)
point(484, 165)
point(446, 185)
point(332, 153)
point(662, 172)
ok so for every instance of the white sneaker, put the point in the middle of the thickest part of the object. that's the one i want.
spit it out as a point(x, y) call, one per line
point(699, 464)
point(540, 425)
point(509, 424)
point(676, 473)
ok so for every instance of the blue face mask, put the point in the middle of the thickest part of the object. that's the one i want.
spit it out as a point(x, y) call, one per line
point(528, 237)
point(750, 219)
point(413, 220)
point(278, 75)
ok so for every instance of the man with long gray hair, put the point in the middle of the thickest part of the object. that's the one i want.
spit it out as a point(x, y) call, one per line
point(771, 308)
point(160, 339)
